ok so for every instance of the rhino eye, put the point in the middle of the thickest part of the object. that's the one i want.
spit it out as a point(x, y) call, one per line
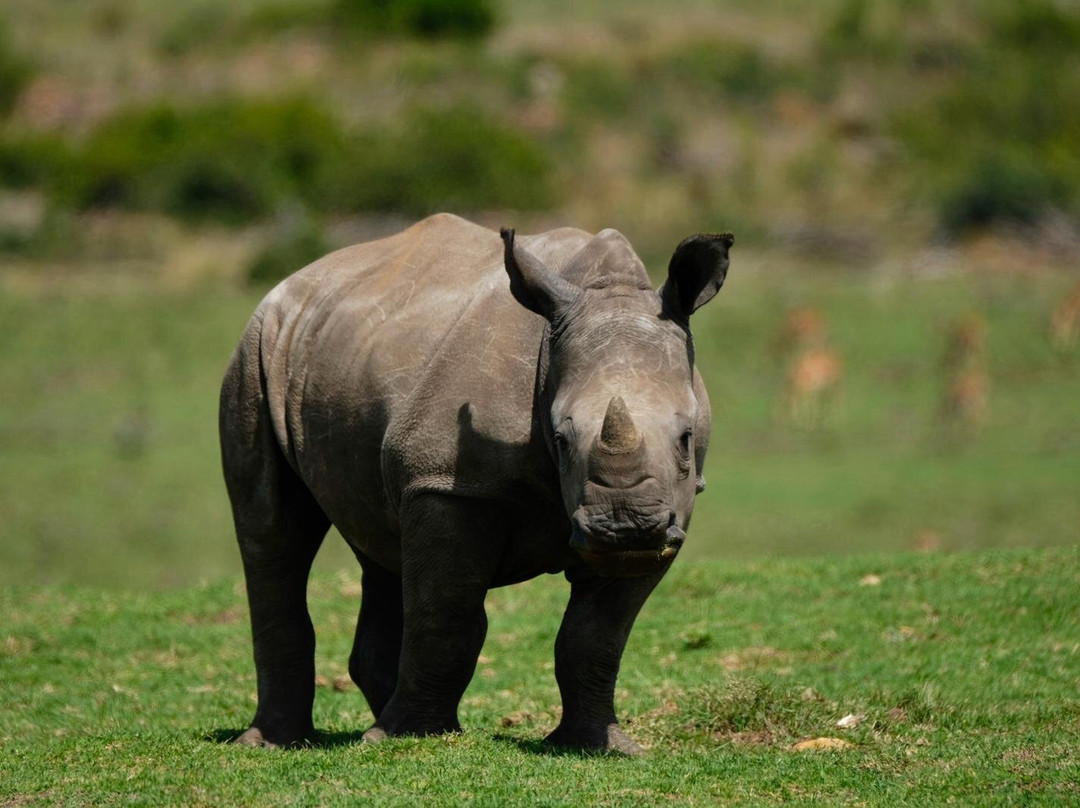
point(684, 442)
point(562, 446)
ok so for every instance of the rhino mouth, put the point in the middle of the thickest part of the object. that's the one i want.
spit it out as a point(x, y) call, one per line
point(614, 562)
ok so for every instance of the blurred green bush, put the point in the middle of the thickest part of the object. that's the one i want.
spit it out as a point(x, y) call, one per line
point(423, 18)
point(999, 186)
point(231, 160)
point(716, 71)
point(236, 161)
point(967, 109)
point(1000, 141)
point(33, 160)
point(455, 159)
point(198, 25)
point(15, 72)
point(847, 31)
point(1037, 26)
point(295, 246)
point(731, 70)
point(596, 89)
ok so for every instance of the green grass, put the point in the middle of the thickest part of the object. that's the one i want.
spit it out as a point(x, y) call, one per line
point(109, 471)
point(963, 668)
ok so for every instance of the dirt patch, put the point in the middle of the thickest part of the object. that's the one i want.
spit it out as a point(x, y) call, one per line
point(753, 658)
point(230, 615)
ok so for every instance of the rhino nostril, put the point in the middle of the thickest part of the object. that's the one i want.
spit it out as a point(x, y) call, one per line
point(674, 535)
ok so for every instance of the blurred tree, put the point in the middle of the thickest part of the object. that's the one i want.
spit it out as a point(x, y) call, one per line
point(424, 18)
point(15, 72)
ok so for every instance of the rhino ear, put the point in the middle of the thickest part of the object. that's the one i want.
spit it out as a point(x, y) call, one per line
point(532, 284)
point(696, 273)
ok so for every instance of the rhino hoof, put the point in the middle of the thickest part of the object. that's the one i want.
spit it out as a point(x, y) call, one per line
point(619, 743)
point(613, 741)
point(623, 744)
point(254, 738)
point(374, 735)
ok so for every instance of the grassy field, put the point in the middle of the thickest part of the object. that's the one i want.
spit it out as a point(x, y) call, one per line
point(109, 472)
point(961, 672)
point(892, 168)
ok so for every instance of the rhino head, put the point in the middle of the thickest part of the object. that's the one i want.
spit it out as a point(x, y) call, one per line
point(623, 417)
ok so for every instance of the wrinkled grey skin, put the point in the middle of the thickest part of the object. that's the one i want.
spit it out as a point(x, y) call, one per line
point(459, 442)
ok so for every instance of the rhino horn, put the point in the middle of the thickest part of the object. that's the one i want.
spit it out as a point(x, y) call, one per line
point(618, 435)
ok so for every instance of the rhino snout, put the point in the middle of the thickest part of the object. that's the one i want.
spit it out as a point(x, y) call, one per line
point(605, 532)
point(624, 519)
point(618, 554)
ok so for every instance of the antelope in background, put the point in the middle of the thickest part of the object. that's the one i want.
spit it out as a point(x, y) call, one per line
point(814, 369)
point(967, 385)
point(1065, 321)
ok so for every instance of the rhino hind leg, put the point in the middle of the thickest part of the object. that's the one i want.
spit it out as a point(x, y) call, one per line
point(279, 527)
point(376, 652)
point(588, 650)
point(450, 549)
point(284, 639)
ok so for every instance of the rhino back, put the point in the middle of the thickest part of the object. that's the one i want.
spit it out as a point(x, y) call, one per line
point(404, 365)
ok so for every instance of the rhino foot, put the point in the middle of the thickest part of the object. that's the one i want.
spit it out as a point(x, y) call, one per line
point(611, 739)
point(374, 734)
point(255, 738)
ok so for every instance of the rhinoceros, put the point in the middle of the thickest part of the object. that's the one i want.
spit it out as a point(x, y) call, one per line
point(464, 433)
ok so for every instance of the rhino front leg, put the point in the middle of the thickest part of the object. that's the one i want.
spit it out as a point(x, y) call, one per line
point(588, 649)
point(450, 548)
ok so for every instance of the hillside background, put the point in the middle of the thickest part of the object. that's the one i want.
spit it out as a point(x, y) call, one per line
point(894, 362)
